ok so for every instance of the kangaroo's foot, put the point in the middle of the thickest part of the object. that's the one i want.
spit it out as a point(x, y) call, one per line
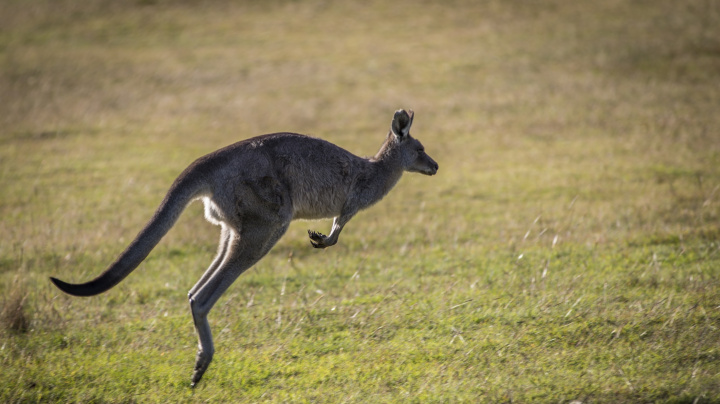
point(202, 361)
point(318, 240)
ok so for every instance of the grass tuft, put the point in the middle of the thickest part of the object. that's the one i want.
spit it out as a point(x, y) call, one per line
point(13, 315)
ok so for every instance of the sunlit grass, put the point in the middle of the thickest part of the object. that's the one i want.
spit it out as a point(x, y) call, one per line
point(566, 250)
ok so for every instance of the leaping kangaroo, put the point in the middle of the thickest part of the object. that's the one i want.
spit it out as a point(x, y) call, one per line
point(253, 189)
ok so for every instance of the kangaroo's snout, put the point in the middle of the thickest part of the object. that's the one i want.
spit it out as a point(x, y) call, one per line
point(427, 165)
point(433, 168)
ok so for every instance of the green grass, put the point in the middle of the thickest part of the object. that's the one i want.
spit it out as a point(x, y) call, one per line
point(568, 249)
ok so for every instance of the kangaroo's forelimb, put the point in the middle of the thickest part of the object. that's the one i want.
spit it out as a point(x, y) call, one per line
point(319, 240)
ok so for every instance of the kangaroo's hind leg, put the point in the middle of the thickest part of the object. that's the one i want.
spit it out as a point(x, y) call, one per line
point(223, 247)
point(243, 251)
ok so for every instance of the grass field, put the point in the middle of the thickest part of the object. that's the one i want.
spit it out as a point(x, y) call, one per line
point(568, 249)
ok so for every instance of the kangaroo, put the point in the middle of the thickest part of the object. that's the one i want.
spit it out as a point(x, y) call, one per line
point(253, 189)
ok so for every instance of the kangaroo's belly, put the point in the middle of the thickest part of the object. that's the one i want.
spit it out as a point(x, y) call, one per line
point(320, 203)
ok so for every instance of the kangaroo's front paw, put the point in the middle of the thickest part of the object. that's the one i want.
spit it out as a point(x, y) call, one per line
point(317, 239)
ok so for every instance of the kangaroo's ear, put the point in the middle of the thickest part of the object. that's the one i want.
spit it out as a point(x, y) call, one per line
point(401, 123)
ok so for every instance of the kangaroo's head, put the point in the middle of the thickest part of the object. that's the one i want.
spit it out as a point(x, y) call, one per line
point(408, 150)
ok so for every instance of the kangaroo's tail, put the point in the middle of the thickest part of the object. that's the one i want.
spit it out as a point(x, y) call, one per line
point(183, 191)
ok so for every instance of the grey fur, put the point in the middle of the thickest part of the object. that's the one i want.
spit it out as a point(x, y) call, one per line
point(253, 189)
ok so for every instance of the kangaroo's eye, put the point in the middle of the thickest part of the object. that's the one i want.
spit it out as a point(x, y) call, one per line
point(421, 151)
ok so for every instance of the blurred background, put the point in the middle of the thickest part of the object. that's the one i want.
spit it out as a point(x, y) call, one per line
point(533, 104)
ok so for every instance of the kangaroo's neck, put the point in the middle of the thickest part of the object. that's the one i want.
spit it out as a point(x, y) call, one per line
point(386, 150)
point(387, 169)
